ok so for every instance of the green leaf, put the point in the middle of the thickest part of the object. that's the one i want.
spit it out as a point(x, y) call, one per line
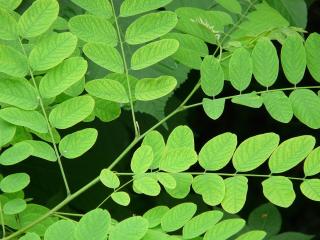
point(14, 182)
point(178, 159)
point(121, 198)
point(30, 236)
point(154, 215)
point(106, 111)
point(77, 143)
point(218, 151)
point(30, 119)
point(7, 132)
point(105, 56)
point(254, 151)
point(133, 228)
point(98, 7)
point(313, 56)
point(265, 217)
point(152, 88)
point(225, 229)
point(178, 216)
point(213, 108)
point(153, 53)
point(93, 225)
point(9, 28)
point(236, 194)
point(311, 189)
point(167, 180)
point(200, 224)
point(18, 66)
point(249, 100)
point(62, 230)
point(150, 26)
point(52, 50)
point(42, 150)
point(147, 185)
point(290, 153)
point(240, 69)
point(312, 163)
point(279, 191)
point(292, 236)
point(252, 235)
point(134, 7)
point(107, 89)
point(109, 178)
point(94, 29)
point(142, 159)
point(10, 4)
point(211, 186)
point(306, 107)
point(71, 112)
point(14, 206)
point(62, 77)
point(212, 76)
point(38, 18)
point(155, 140)
point(278, 106)
point(183, 183)
point(265, 62)
point(181, 137)
point(231, 5)
point(293, 58)
point(15, 154)
point(19, 93)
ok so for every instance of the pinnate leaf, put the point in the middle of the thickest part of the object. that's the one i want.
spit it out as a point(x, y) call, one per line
point(212, 76)
point(312, 163)
point(109, 178)
point(225, 229)
point(63, 230)
point(16, 153)
point(313, 56)
point(18, 66)
point(311, 189)
point(121, 198)
point(14, 182)
point(142, 159)
point(213, 108)
point(154, 215)
point(9, 28)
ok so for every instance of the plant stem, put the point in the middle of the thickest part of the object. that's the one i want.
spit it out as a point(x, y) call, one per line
point(136, 129)
point(48, 124)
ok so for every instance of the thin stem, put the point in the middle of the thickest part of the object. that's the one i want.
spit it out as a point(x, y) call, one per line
point(63, 217)
point(48, 124)
point(69, 214)
point(136, 129)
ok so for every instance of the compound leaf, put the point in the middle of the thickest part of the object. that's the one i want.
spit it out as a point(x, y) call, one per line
point(15, 154)
point(142, 159)
point(63, 230)
point(225, 229)
point(14, 182)
point(18, 66)
point(311, 189)
point(147, 185)
point(9, 28)
point(155, 140)
point(312, 163)
point(313, 56)
point(213, 108)
point(154, 215)
point(121, 198)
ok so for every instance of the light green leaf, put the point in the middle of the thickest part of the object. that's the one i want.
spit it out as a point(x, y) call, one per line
point(225, 229)
point(312, 163)
point(152, 88)
point(14, 182)
point(7, 132)
point(105, 56)
point(278, 106)
point(290, 153)
point(97, 7)
point(279, 191)
point(9, 28)
point(30, 236)
point(77, 143)
point(153, 53)
point(293, 58)
point(252, 235)
point(306, 107)
point(313, 56)
point(42, 150)
point(142, 159)
point(240, 69)
point(236, 194)
point(106, 111)
point(254, 151)
point(18, 66)
point(211, 186)
point(217, 152)
point(150, 26)
point(178, 216)
point(147, 185)
point(19, 93)
point(107, 89)
point(311, 189)
point(93, 225)
point(121, 198)
point(52, 50)
point(178, 159)
point(30, 119)
point(231, 5)
point(94, 29)
point(213, 108)
point(14, 206)
point(155, 140)
point(109, 178)
point(249, 100)
point(181, 137)
point(182, 189)
point(15, 154)
point(200, 224)
point(154, 215)
point(167, 180)
point(133, 228)
point(62, 230)
point(265, 62)
point(62, 77)
point(38, 18)
point(212, 76)
point(134, 7)
point(10, 4)
point(71, 112)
